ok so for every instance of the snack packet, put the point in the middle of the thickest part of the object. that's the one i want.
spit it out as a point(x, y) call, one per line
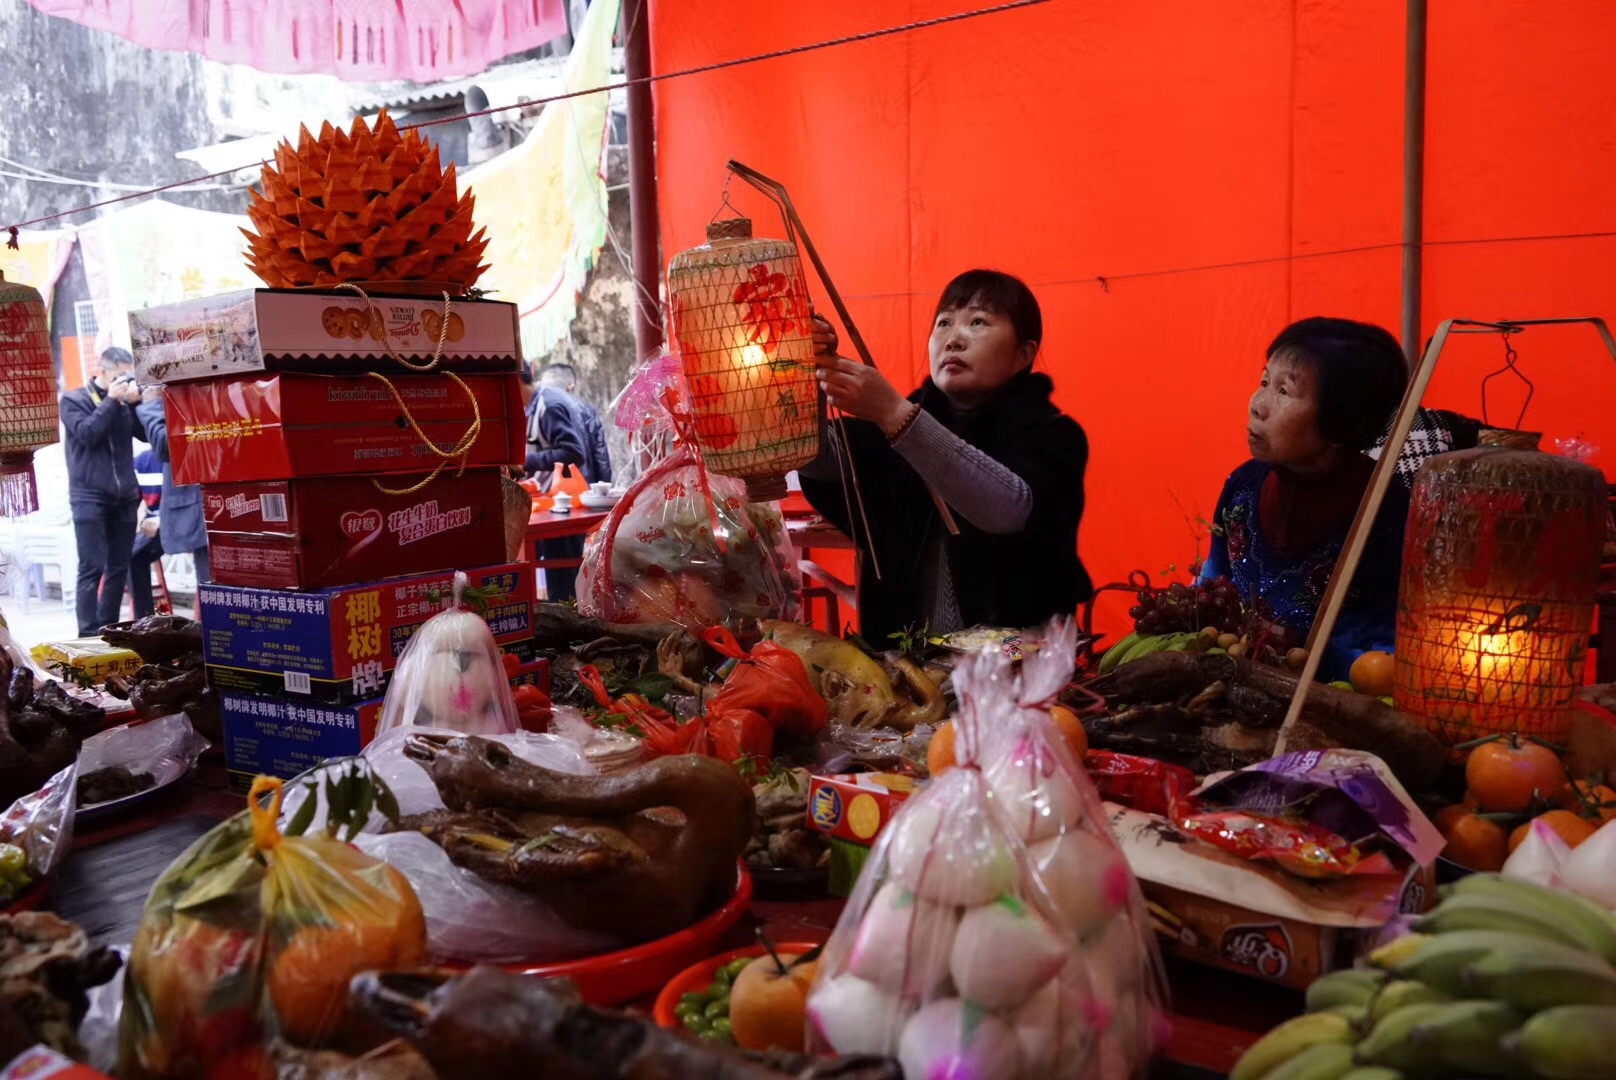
point(253, 934)
point(451, 676)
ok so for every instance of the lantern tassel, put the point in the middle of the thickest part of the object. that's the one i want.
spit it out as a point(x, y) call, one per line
point(19, 493)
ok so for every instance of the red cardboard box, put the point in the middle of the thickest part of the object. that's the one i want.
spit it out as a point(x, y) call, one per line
point(325, 330)
point(336, 530)
point(293, 425)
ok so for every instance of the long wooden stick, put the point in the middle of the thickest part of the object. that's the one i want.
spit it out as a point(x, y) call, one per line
point(794, 222)
point(1380, 480)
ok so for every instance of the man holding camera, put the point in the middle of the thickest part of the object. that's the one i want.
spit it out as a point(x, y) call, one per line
point(101, 427)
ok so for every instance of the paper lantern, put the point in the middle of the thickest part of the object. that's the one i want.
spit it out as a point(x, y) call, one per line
point(1500, 567)
point(27, 395)
point(740, 316)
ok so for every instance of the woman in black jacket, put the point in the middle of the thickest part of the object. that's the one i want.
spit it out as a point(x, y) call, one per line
point(983, 432)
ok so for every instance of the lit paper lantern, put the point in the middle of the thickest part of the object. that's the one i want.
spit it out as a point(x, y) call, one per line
point(27, 395)
point(740, 316)
point(1500, 567)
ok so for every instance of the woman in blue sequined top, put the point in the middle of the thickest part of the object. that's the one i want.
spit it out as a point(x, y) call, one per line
point(1328, 390)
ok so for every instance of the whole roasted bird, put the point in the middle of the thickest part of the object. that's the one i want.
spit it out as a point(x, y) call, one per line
point(491, 1023)
point(636, 855)
point(41, 729)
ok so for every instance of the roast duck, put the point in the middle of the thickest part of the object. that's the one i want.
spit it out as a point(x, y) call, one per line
point(492, 1023)
point(41, 730)
point(172, 679)
point(636, 855)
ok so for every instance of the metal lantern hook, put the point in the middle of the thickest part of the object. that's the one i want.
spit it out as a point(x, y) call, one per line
point(1511, 367)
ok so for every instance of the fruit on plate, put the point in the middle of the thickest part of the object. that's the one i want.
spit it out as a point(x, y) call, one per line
point(1372, 673)
point(361, 205)
point(705, 1013)
point(1508, 773)
point(1477, 843)
point(768, 1005)
point(1502, 978)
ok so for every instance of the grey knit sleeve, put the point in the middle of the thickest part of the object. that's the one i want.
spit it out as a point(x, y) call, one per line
point(984, 492)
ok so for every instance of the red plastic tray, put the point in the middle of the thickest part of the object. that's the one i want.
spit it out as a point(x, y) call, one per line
point(613, 978)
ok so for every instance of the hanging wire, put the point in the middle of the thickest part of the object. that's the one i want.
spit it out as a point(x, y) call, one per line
point(1511, 367)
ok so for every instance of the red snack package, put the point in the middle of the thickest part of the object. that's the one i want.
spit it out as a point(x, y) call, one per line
point(1300, 847)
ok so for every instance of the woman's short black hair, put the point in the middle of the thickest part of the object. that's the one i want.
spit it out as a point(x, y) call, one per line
point(1362, 375)
point(999, 292)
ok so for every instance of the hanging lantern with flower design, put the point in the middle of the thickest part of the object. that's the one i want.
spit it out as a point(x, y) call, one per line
point(1500, 569)
point(741, 319)
point(27, 395)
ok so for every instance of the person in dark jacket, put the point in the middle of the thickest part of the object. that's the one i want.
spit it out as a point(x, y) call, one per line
point(983, 432)
point(564, 377)
point(100, 425)
point(148, 536)
point(556, 436)
point(183, 528)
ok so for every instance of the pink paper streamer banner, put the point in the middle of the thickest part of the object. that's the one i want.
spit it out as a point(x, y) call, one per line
point(359, 40)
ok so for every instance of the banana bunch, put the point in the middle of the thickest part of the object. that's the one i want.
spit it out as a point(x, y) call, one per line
point(1501, 979)
point(1136, 645)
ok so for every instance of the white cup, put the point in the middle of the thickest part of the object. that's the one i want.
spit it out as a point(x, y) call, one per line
point(601, 488)
point(563, 503)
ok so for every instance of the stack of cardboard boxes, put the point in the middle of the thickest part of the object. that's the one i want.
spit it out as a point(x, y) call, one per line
point(349, 463)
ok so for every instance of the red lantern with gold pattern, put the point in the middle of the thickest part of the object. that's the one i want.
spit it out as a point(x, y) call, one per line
point(27, 395)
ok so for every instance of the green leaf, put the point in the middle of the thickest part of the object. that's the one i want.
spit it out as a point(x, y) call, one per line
point(653, 686)
point(305, 813)
point(386, 801)
point(367, 801)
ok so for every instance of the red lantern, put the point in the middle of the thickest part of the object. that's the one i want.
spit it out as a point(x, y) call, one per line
point(740, 315)
point(1500, 566)
point(27, 395)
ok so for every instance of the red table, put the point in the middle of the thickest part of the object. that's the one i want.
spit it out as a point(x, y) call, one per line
point(545, 525)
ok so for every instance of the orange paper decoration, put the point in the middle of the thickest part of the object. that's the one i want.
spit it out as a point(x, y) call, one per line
point(361, 206)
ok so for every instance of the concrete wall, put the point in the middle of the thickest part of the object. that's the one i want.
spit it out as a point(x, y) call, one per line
point(92, 106)
point(600, 342)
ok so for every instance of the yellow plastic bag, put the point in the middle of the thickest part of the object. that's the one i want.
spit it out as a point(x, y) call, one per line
point(252, 934)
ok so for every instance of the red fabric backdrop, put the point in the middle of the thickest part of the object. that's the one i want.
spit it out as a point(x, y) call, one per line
point(1210, 161)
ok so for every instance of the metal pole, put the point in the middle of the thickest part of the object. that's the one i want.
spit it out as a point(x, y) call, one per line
point(642, 180)
point(1413, 176)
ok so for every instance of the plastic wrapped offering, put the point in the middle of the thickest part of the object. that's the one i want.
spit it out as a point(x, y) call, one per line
point(451, 677)
point(956, 953)
point(685, 547)
point(252, 935)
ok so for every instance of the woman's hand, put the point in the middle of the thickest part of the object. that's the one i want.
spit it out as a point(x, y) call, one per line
point(862, 391)
point(825, 339)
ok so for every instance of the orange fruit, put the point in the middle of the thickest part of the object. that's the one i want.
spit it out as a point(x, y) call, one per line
point(1604, 799)
point(1507, 774)
point(1071, 728)
point(1373, 673)
point(1573, 828)
point(768, 1008)
point(1446, 817)
point(1477, 844)
point(940, 753)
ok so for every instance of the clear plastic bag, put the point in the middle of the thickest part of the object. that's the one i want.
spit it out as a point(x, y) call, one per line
point(1057, 812)
point(683, 546)
point(161, 748)
point(474, 921)
point(451, 677)
point(252, 935)
point(41, 824)
point(975, 942)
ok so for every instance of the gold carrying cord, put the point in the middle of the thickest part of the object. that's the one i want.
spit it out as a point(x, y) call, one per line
point(462, 448)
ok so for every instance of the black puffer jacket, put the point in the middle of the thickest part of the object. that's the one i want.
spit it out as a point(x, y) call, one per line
point(1018, 580)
